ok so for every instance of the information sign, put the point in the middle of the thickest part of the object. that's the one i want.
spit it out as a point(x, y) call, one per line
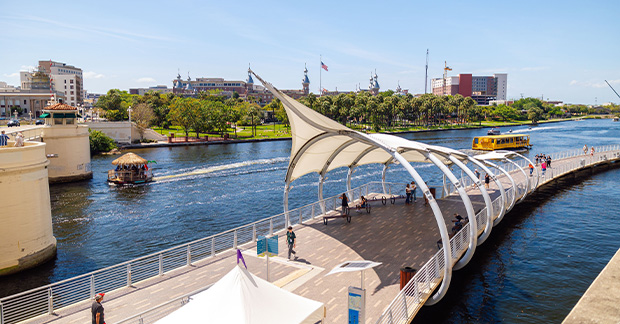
point(266, 245)
point(272, 246)
point(261, 246)
point(356, 305)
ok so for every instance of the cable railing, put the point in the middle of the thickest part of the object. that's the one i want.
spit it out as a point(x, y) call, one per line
point(415, 293)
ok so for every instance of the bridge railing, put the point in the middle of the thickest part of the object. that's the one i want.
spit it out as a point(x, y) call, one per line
point(413, 296)
point(29, 133)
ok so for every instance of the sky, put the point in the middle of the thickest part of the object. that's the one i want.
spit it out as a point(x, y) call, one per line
point(556, 50)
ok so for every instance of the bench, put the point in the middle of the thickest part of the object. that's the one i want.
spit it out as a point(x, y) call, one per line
point(345, 215)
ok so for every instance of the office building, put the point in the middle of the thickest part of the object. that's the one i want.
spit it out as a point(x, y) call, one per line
point(483, 89)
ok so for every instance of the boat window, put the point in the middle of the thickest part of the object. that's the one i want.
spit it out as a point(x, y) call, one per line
point(476, 140)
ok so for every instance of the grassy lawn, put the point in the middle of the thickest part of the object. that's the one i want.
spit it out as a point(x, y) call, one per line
point(262, 131)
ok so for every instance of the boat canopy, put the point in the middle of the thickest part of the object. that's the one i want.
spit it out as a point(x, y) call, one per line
point(130, 159)
point(321, 144)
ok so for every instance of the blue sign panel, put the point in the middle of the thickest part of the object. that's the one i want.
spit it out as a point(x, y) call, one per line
point(272, 245)
point(356, 301)
point(261, 246)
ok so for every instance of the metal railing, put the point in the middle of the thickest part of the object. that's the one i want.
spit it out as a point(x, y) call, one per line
point(129, 176)
point(47, 299)
point(29, 133)
point(413, 296)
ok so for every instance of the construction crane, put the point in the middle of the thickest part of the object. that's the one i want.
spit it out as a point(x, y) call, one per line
point(612, 88)
point(445, 75)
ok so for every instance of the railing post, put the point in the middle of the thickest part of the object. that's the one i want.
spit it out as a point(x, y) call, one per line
point(189, 255)
point(213, 246)
point(128, 275)
point(254, 232)
point(161, 264)
point(313, 215)
point(50, 302)
point(235, 239)
point(391, 317)
point(271, 226)
point(405, 303)
point(301, 217)
point(92, 285)
point(1, 313)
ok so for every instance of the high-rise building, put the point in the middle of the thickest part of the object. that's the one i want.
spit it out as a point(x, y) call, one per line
point(482, 89)
point(63, 78)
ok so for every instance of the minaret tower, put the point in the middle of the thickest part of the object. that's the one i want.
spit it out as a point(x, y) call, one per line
point(306, 82)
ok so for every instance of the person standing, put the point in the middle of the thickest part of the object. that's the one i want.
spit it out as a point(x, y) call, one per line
point(592, 152)
point(4, 139)
point(345, 203)
point(413, 188)
point(408, 193)
point(97, 309)
point(477, 173)
point(543, 167)
point(291, 241)
point(487, 180)
point(548, 161)
point(531, 169)
point(585, 149)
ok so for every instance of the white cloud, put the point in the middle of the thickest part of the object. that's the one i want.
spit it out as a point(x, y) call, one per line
point(26, 68)
point(12, 75)
point(93, 75)
point(147, 80)
point(592, 84)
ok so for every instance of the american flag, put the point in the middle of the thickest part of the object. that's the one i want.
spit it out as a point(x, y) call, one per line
point(323, 66)
point(325, 90)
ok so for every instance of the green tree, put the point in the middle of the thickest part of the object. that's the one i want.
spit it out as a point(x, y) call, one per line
point(183, 111)
point(100, 142)
point(143, 116)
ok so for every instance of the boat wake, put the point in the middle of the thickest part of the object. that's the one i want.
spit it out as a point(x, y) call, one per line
point(222, 167)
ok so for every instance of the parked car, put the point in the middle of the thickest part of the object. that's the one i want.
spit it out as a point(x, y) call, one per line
point(39, 122)
point(13, 122)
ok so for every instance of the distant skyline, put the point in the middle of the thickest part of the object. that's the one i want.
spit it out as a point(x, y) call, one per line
point(557, 50)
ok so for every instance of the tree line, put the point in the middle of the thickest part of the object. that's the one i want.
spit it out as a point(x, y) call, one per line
point(211, 112)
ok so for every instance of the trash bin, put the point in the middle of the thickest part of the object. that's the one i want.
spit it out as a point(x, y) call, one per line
point(433, 191)
point(406, 274)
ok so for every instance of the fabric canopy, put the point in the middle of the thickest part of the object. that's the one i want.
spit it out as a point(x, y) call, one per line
point(45, 115)
point(130, 159)
point(321, 144)
point(241, 297)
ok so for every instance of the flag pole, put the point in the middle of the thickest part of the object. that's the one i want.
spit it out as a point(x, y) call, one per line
point(320, 76)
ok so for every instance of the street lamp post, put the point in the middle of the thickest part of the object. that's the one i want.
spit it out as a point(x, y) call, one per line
point(130, 127)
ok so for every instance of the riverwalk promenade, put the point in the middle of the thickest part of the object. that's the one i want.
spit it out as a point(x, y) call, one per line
point(600, 302)
point(397, 235)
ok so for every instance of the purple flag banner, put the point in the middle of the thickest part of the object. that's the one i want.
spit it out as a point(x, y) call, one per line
point(240, 256)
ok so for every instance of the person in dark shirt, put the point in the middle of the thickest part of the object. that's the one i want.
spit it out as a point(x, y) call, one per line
point(345, 203)
point(97, 309)
point(291, 241)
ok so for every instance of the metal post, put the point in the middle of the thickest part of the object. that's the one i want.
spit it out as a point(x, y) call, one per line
point(92, 285)
point(1, 313)
point(271, 226)
point(213, 246)
point(254, 232)
point(235, 239)
point(267, 258)
point(128, 275)
point(161, 264)
point(50, 302)
point(301, 219)
point(189, 256)
point(405, 304)
point(313, 215)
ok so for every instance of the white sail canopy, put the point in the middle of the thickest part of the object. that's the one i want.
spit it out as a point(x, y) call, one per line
point(321, 144)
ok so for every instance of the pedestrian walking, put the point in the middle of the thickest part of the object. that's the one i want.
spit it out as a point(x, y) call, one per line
point(531, 169)
point(413, 188)
point(487, 180)
point(592, 152)
point(543, 167)
point(477, 173)
point(97, 309)
point(549, 161)
point(291, 240)
point(408, 193)
point(4, 139)
point(585, 149)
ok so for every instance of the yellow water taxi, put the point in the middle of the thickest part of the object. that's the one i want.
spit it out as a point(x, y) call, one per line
point(501, 142)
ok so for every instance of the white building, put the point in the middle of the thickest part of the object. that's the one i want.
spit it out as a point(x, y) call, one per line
point(502, 85)
point(66, 79)
point(159, 88)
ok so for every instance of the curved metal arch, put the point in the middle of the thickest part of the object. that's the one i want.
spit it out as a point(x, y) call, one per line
point(386, 166)
point(443, 231)
point(514, 188)
point(489, 224)
point(326, 165)
point(535, 169)
point(471, 215)
point(473, 227)
point(527, 179)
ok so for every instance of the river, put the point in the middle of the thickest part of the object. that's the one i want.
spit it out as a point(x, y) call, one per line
point(203, 190)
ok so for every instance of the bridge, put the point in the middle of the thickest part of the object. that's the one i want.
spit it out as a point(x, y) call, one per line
point(30, 132)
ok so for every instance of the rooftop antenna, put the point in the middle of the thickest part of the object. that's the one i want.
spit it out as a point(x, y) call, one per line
point(426, 75)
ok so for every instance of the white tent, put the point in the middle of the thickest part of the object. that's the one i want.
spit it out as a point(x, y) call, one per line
point(241, 297)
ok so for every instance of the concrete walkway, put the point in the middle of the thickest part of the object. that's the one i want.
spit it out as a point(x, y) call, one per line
point(601, 302)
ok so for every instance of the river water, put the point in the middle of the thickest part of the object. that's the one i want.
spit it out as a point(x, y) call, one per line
point(203, 190)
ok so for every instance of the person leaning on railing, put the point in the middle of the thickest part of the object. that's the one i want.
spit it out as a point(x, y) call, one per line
point(4, 139)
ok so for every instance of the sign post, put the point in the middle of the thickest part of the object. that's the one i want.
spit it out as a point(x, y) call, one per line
point(356, 305)
point(267, 246)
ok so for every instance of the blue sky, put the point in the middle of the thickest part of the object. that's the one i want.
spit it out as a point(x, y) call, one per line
point(562, 50)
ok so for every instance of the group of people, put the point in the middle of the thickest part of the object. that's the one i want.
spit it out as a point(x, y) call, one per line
point(410, 192)
point(543, 160)
point(585, 150)
point(4, 139)
point(487, 178)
